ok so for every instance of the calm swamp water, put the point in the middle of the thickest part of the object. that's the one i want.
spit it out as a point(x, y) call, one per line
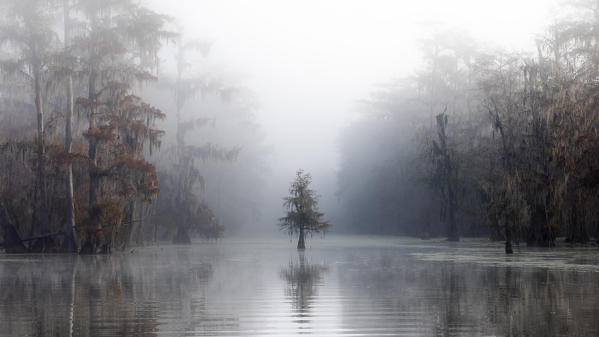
point(340, 286)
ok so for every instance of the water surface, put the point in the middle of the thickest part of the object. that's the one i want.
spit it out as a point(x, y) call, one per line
point(340, 286)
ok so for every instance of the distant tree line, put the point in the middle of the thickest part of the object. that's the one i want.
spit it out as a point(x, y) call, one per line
point(483, 143)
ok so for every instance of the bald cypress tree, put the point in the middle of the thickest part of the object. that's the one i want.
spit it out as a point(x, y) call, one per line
point(118, 50)
point(303, 215)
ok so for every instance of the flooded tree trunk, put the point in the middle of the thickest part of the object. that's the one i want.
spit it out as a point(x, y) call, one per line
point(69, 243)
point(90, 246)
point(182, 236)
point(155, 233)
point(577, 232)
point(446, 172)
point(92, 150)
point(301, 242)
point(508, 239)
point(12, 240)
point(453, 226)
point(131, 223)
point(140, 230)
point(69, 238)
point(41, 148)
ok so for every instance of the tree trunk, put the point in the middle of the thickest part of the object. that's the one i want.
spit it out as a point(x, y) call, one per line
point(91, 244)
point(130, 211)
point(577, 230)
point(93, 161)
point(155, 234)
point(508, 239)
point(182, 236)
point(139, 228)
point(301, 242)
point(447, 174)
point(69, 243)
point(12, 240)
point(43, 213)
point(453, 226)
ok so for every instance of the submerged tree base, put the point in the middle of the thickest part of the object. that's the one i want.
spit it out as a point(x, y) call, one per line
point(508, 248)
point(182, 236)
point(301, 244)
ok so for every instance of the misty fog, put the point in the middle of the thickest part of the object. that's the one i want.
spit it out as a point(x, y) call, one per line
point(310, 63)
point(268, 167)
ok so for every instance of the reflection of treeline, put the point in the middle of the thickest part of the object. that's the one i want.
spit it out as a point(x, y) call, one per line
point(483, 143)
point(75, 137)
point(99, 295)
point(460, 299)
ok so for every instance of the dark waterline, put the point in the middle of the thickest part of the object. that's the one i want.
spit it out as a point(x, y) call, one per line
point(350, 286)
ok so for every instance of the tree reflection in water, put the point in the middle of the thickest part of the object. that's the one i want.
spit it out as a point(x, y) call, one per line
point(370, 290)
point(99, 295)
point(464, 299)
point(302, 280)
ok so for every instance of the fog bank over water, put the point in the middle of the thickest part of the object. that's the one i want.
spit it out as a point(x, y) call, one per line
point(309, 62)
point(282, 167)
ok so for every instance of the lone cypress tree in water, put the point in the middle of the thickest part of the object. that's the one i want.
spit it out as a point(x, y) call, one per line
point(302, 210)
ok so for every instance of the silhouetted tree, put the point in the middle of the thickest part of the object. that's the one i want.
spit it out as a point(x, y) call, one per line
point(444, 176)
point(303, 215)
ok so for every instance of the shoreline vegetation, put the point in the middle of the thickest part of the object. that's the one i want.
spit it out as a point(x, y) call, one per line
point(90, 170)
point(481, 143)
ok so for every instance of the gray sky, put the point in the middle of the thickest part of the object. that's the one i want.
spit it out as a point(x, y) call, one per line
point(308, 61)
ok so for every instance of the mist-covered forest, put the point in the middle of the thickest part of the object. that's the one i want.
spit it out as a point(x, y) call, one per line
point(279, 168)
point(482, 142)
point(120, 129)
point(97, 147)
